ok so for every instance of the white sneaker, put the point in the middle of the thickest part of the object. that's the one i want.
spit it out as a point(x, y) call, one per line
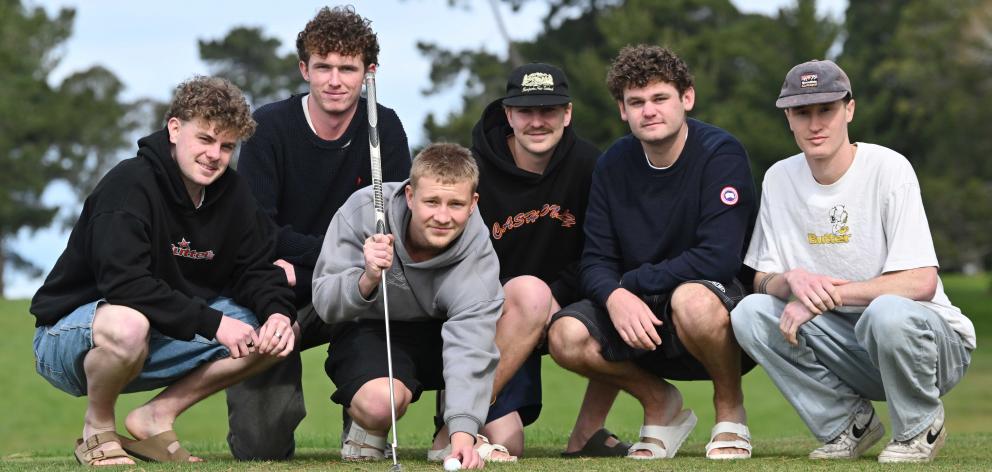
point(922, 448)
point(864, 432)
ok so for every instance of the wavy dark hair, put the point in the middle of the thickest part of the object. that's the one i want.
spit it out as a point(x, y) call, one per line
point(640, 65)
point(339, 30)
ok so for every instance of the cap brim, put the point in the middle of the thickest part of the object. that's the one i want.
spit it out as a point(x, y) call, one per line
point(804, 99)
point(536, 100)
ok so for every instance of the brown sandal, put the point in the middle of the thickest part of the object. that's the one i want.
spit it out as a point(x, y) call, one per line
point(162, 447)
point(87, 454)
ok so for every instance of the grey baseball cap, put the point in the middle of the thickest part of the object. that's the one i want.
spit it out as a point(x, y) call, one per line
point(536, 85)
point(814, 82)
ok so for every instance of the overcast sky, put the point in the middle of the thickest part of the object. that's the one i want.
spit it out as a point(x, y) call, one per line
point(152, 46)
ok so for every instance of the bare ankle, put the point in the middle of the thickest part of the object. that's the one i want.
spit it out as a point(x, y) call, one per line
point(144, 422)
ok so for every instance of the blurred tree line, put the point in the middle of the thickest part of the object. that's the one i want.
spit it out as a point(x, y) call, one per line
point(921, 70)
point(69, 132)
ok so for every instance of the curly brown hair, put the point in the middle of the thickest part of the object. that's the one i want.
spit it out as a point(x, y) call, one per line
point(216, 101)
point(640, 65)
point(449, 163)
point(339, 30)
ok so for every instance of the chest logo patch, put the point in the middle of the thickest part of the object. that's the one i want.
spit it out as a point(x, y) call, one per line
point(729, 196)
point(183, 249)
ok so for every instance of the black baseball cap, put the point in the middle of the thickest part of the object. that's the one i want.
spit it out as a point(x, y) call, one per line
point(536, 85)
point(814, 82)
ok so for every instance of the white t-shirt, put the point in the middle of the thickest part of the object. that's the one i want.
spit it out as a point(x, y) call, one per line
point(869, 222)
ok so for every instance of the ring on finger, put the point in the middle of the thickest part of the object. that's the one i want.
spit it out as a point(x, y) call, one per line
point(278, 335)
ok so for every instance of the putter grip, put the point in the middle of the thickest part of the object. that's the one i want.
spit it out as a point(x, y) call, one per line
point(374, 153)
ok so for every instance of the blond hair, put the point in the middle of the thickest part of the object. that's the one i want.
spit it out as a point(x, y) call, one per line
point(449, 163)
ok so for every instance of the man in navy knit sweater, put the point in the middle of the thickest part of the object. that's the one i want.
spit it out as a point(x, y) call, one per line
point(670, 211)
point(309, 154)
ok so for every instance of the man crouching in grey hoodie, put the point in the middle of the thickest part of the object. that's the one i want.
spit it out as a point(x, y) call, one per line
point(444, 300)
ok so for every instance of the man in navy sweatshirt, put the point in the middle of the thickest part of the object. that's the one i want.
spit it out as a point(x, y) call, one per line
point(670, 211)
point(309, 155)
point(165, 278)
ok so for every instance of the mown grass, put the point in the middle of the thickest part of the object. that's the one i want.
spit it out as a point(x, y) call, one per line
point(38, 423)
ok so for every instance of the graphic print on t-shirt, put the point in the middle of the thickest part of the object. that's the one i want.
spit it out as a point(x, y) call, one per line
point(840, 232)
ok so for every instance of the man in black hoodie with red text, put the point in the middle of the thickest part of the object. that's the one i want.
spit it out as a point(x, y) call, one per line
point(165, 278)
point(534, 182)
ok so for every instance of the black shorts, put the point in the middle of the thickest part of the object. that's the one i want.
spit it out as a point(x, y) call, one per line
point(522, 393)
point(672, 360)
point(359, 355)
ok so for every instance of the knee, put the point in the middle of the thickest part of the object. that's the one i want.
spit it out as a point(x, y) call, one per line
point(528, 299)
point(371, 403)
point(121, 330)
point(567, 339)
point(885, 318)
point(698, 311)
point(750, 319)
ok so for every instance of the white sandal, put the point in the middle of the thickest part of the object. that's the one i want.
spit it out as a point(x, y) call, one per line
point(671, 436)
point(360, 445)
point(743, 443)
point(484, 447)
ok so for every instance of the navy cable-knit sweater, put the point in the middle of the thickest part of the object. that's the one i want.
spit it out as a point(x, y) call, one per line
point(300, 180)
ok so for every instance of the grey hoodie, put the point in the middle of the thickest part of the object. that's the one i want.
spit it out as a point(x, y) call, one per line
point(460, 285)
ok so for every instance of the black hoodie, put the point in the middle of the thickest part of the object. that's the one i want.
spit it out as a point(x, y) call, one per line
point(534, 220)
point(140, 242)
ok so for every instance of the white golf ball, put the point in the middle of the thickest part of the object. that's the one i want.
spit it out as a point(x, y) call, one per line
point(451, 464)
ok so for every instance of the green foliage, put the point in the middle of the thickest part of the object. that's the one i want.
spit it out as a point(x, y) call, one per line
point(252, 61)
point(738, 61)
point(482, 85)
point(922, 75)
point(921, 70)
point(70, 132)
point(961, 207)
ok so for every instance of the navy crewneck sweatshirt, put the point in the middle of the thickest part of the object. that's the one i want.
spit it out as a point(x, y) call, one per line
point(649, 229)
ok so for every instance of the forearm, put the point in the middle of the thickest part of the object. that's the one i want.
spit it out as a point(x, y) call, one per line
point(298, 248)
point(367, 286)
point(915, 284)
point(772, 283)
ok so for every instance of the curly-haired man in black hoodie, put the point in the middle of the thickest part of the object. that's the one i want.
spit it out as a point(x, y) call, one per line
point(164, 281)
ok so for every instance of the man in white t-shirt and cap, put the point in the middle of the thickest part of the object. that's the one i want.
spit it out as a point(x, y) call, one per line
point(848, 305)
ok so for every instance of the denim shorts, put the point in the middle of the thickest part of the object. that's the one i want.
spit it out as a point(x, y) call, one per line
point(59, 350)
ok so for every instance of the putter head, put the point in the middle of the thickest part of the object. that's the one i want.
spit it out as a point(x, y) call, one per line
point(396, 468)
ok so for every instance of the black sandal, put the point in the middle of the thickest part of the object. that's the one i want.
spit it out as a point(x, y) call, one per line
point(596, 446)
